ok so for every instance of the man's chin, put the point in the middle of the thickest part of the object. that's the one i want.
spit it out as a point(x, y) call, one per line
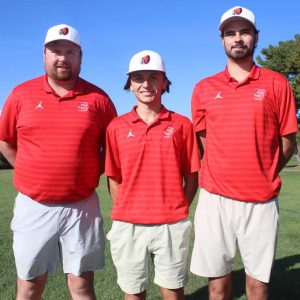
point(65, 77)
point(240, 54)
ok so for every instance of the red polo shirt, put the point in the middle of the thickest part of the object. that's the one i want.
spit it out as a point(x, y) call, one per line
point(151, 162)
point(243, 123)
point(58, 139)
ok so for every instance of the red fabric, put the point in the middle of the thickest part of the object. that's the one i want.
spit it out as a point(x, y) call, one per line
point(58, 139)
point(151, 162)
point(243, 123)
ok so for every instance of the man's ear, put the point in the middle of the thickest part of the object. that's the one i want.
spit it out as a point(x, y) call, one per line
point(222, 41)
point(256, 39)
point(165, 83)
point(44, 54)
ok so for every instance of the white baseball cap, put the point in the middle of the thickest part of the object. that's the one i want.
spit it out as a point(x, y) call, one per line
point(237, 12)
point(63, 32)
point(146, 61)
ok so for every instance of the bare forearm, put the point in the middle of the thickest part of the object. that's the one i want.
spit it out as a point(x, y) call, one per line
point(102, 161)
point(201, 140)
point(190, 186)
point(113, 187)
point(288, 144)
point(9, 152)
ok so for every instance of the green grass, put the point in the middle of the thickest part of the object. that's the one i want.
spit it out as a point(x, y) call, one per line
point(285, 277)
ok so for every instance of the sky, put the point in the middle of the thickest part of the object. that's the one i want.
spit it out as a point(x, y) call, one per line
point(185, 33)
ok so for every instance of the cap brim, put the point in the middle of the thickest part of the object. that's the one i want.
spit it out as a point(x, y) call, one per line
point(222, 25)
point(130, 72)
point(66, 40)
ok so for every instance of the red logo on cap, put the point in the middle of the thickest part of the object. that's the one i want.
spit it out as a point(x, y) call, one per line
point(64, 31)
point(237, 11)
point(145, 60)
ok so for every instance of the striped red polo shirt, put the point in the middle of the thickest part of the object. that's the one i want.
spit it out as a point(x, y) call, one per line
point(151, 162)
point(58, 139)
point(243, 123)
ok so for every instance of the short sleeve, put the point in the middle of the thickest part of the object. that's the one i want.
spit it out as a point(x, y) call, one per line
point(112, 160)
point(190, 153)
point(287, 109)
point(8, 121)
point(198, 112)
point(110, 113)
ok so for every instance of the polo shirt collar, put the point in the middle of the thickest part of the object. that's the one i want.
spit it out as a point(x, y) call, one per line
point(254, 73)
point(76, 90)
point(134, 117)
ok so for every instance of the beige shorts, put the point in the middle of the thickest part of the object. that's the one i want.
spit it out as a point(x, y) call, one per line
point(222, 223)
point(43, 233)
point(132, 245)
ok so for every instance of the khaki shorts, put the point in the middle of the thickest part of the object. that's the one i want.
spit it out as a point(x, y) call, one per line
point(222, 223)
point(43, 233)
point(132, 245)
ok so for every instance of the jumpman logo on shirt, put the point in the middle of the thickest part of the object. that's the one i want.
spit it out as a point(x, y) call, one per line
point(130, 134)
point(39, 106)
point(219, 96)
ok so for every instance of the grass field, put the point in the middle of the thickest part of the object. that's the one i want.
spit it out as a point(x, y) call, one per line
point(286, 272)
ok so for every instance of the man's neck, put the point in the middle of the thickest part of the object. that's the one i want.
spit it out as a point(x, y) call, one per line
point(61, 88)
point(148, 113)
point(240, 69)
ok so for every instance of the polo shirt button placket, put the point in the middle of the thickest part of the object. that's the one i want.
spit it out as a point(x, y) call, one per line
point(147, 137)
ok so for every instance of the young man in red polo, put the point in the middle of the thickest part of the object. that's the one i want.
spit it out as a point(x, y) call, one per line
point(52, 130)
point(152, 163)
point(245, 121)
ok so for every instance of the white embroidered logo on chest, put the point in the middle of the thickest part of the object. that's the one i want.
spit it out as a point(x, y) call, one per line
point(259, 94)
point(83, 106)
point(39, 106)
point(219, 96)
point(131, 134)
point(168, 132)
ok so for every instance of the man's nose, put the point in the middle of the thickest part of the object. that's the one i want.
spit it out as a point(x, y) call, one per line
point(62, 56)
point(146, 82)
point(238, 36)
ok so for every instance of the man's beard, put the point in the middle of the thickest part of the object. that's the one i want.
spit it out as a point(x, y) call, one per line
point(68, 75)
point(241, 54)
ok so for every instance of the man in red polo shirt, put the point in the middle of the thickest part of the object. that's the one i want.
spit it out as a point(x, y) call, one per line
point(245, 122)
point(152, 163)
point(52, 130)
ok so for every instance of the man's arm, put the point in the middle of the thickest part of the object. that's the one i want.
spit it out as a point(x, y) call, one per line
point(190, 186)
point(201, 139)
point(113, 187)
point(9, 152)
point(287, 148)
point(102, 160)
